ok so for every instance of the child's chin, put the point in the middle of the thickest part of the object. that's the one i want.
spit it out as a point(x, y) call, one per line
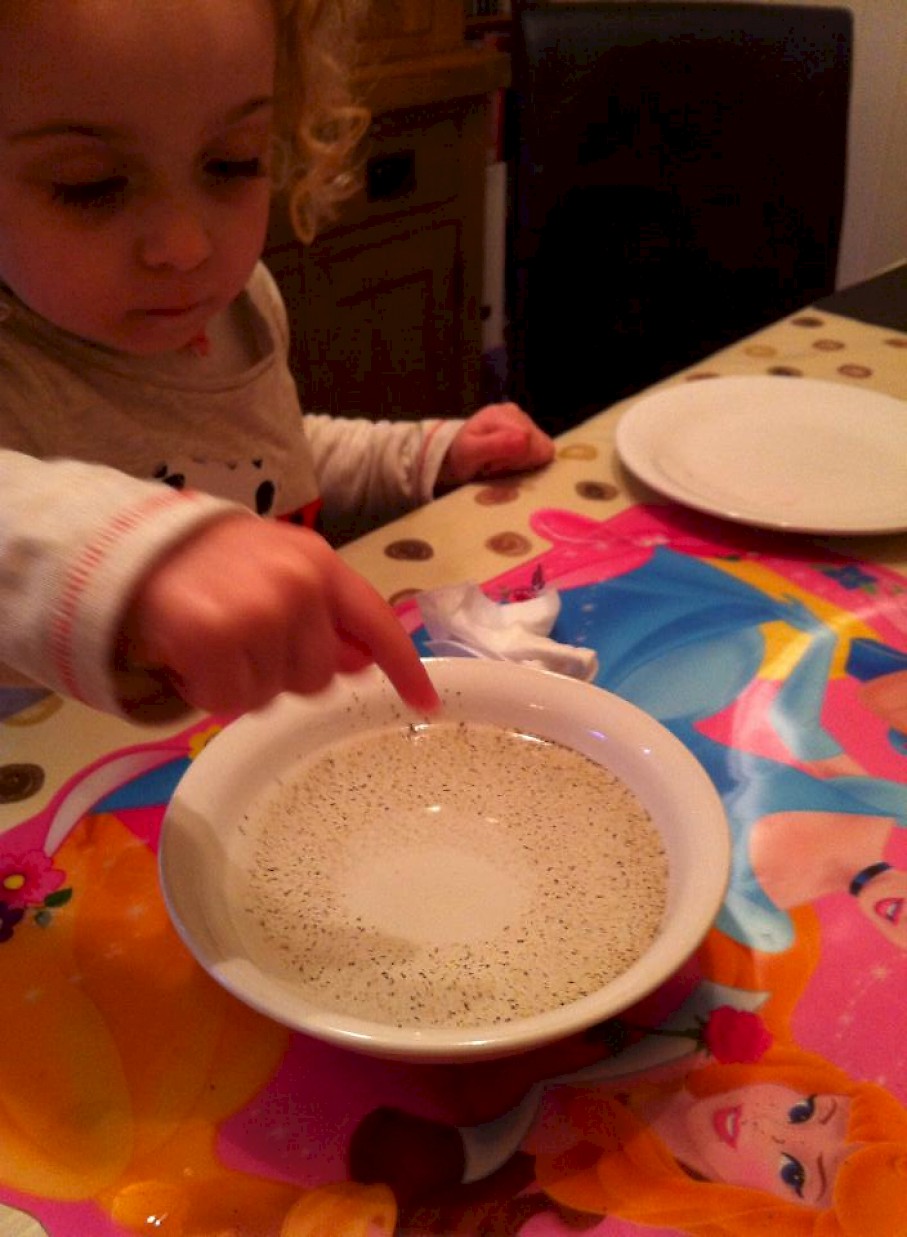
point(159, 338)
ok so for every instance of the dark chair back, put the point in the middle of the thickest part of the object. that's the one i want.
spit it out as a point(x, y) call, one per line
point(677, 182)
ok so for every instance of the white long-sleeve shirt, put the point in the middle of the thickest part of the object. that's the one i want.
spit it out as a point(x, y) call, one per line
point(88, 436)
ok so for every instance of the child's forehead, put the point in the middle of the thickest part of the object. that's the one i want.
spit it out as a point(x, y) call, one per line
point(145, 35)
point(96, 60)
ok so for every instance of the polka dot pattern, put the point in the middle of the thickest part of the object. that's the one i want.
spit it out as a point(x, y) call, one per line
point(510, 544)
point(760, 350)
point(497, 495)
point(598, 491)
point(812, 344)
point(808, 320)
point(411, 549)
point(578, 451)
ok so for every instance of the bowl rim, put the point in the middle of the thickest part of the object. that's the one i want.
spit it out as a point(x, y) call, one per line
point(624, 730)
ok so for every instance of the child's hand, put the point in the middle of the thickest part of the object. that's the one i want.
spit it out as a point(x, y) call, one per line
point(247, 608)
point(500, 438)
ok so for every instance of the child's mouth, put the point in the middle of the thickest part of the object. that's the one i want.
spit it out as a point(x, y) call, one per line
point(173, 311)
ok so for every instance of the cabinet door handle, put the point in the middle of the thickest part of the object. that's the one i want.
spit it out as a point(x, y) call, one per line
point(390, 176)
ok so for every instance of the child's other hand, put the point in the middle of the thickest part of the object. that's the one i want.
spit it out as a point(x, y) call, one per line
point(497, 439)
point(247, 608)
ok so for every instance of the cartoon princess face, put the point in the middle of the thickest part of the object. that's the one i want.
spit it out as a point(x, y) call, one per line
point(883, 901)
point(768, 1137)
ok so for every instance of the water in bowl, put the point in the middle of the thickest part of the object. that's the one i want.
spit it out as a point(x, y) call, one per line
point(449, 875)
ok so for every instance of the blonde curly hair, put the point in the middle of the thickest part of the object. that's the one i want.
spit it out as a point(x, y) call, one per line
point(319, 122)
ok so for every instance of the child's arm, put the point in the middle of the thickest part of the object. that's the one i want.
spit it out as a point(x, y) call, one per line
point(372, 471)
point(75, 539)
point(82, 546)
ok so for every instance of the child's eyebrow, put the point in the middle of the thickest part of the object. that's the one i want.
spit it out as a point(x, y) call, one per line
point(65, 128)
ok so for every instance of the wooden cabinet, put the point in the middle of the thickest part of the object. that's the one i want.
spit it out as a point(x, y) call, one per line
point(385, 305)
point(410, 29)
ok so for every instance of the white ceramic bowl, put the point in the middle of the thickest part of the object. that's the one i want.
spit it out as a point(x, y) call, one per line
point(204, 848)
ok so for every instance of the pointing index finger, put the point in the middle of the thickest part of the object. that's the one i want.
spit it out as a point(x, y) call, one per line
point(368, 621)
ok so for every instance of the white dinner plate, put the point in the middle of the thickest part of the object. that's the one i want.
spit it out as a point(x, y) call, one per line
point(786, 453)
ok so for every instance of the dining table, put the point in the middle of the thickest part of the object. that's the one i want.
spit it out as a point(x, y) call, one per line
point(763, 1088)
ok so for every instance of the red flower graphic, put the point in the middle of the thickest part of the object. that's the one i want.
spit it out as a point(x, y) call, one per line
point(731, 1036)
point(734, 1036)
point(26, 880)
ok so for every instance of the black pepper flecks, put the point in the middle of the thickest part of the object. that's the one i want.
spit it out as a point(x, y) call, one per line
point(577, 872)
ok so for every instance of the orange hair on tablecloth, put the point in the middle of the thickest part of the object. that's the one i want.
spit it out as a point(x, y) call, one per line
point(782, 976)
point(126, 1059)
point(619, 1167)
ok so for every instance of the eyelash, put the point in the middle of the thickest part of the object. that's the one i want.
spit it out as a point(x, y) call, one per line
point(109, 192)
point(92, 194)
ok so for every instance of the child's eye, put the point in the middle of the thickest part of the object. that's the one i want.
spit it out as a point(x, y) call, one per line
point(91, 194)
point(235, 169)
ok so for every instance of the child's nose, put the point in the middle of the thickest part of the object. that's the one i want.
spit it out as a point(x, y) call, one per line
point(175, 234)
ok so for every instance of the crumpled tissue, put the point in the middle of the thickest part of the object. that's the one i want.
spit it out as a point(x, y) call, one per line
point(462, 621)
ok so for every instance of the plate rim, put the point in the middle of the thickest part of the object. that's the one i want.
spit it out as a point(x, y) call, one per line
point(632, 446)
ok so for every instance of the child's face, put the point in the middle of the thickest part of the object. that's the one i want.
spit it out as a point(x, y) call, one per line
point(134, 139)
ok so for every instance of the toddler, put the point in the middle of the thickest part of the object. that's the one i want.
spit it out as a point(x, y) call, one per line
point(147, 412)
